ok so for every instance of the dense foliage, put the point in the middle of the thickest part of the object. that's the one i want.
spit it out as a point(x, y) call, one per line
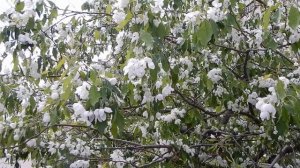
point(148, 83)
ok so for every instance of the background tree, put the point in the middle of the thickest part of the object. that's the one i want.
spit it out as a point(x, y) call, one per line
point(136, 83)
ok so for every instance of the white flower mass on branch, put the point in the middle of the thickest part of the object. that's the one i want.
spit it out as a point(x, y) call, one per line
point(156, 83)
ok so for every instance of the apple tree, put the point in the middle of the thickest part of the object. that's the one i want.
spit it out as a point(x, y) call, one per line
point(151, 83)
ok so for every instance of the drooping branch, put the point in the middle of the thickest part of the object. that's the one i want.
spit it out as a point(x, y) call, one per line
point(81, 12)
point(197, 105)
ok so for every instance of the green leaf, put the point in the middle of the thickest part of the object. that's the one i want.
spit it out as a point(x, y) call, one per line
point(296, 113)
point(67, 88)
point(32, 105)
point(275, 16)
point(20, 6)
point(282, 124)
point(82, 75)
point(269, 42)
point(204, 33)
point(105, 93)
point(165, 63)
point(30, 23)
point(174, 75)
point(61, 47)
point(280, 91)
point(54, 117)
point(160, 31)
point(147, 38)
point(10, 102)
point(59, 64)
point(230, 21)
point(294, 17)
point(209, 84)
point(52, 4)
point(54, 52)
point(215, 27)
point(100, 126)
point(94, 95)
point(39, 8)
point(153, 74)
point(178, 4)
point(54, 13)
point(296, 46)
point(94, 77)
point(267, 15)
point(117, 123)
point(85, 6)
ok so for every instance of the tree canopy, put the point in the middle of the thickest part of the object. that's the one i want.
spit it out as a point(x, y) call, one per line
point(151, 83)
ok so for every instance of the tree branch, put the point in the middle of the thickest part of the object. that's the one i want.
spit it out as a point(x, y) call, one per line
point(197, 104)
point(282, 153)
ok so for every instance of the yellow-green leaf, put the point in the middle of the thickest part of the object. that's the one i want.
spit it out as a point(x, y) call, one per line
point(97, 34)
point(125, 21)
point(20, 6)
point(108, 9)
point(60, 64)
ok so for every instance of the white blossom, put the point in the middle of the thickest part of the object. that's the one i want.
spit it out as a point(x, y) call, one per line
point(252, 98)
point(80, 164)
point(147, 96)
point(13, 125)
point(100, 115)
point(158, 4)
point(167, 90)
point(267, 110)
point(173, 116)
point(215, 12)
point(136, 68)
point(46, 118)
point(120, 42)
point(16, 137)
point(145, 114)
point(118, 157)
point(121, 4)
point(158, 84)
point(134, 37)
point(2, 107)
point(113, 81)
point(31, 143)
point(78, 109)
point(83, 90)
point(220, 91)
point(215, 75)
point(143, 129)
point(191, 17)
point(24, 38)
point(118, 16)
point(159, 97)
point(285, 81)
point(54, 95)
point(266, 82)
point(107, 110)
